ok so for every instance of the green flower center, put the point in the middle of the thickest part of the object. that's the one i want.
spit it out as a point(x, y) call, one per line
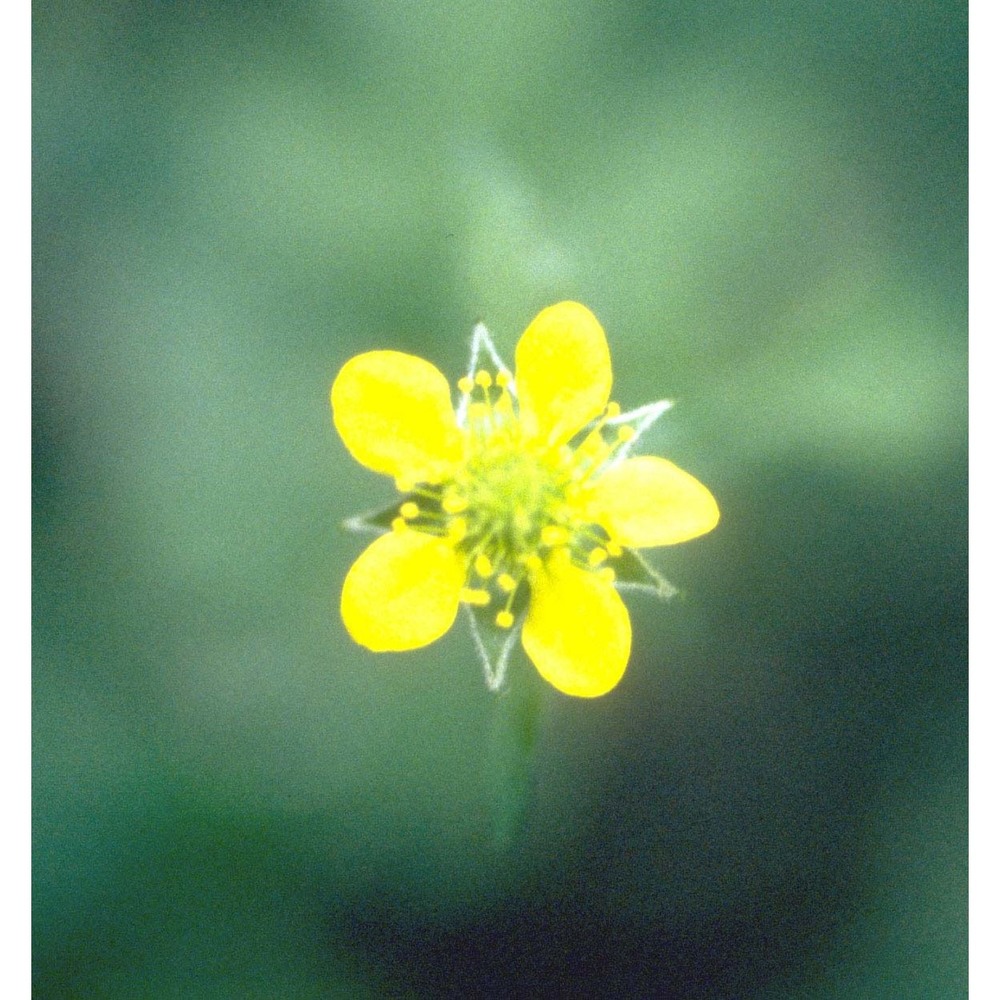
point(511, 497)
point(511, 504)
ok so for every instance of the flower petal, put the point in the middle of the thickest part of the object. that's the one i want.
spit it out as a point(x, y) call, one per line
point(563, 374)
point(402, 592)
point(577, 632)
point(394, 413)
point(649, 501)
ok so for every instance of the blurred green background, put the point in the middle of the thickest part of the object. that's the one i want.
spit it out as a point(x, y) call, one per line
point(765, 205)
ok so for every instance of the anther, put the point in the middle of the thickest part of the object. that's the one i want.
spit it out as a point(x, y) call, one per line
point(612, 411)
point(614, 549)
point(465, 385)
point(483, 379)
point(607, 574)
point(597, 556)
point(454, 503)
point(504, 378)
point(483, 566)
point(409, 510)
point(625, 433)
point(506, 583)
point(398, 525)
point(504, 619)
point(554, 534)
point(533, 562)
point(479, 598)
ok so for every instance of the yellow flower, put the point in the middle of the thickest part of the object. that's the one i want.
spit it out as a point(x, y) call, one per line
point(520, 503)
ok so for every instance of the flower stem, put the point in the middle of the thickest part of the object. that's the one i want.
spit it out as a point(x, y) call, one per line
point(513, 738)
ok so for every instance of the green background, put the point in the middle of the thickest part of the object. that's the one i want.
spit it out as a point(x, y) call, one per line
point(765, 205)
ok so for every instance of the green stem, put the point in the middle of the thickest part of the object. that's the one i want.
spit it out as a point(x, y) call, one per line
point(514, 734)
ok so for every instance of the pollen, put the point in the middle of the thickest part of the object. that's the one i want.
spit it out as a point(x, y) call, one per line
point(483, 565)
point(409, 510)
point(506, 583)
point(554, 534)
point(478, 598)
point(454, 503)
point(465, 385)
point(596, 557)
point(504, 619)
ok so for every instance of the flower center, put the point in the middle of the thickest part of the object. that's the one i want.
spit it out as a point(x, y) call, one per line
point(512, 503)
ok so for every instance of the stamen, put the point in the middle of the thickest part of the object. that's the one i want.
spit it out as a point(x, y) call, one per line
point(504, 619)
point(398, 525)
point(480, 598)
point(506, 583)
point(533, 562)
point(614, 549)
point(606, 573)
point(409, 510)
point(554, 534)
point(596, 557)
point(613, 410)
point(465, 385)
point(504, 378)
point(454, 503)
point(626, 433)
point(483, 379)
point(483, 565)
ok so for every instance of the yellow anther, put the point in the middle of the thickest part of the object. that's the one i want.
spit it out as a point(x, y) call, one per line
point(597, 556)
point(465, 384)
point(554, 534)
point(483, 379)
point(480, 598)
point(409, 510)
point(607, 574)
point(405, 485)
point(612, 411)
point(506, 583)
point(483, 566)
point(626, 433)
point(533, 562)
point(457, 530)
point(504, 378)
point(504, 619)
point(454, 503)
point(614, 549)
point(398, 525)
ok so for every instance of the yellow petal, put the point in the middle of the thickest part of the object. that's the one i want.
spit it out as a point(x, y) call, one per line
point(577, 632)
point(402, 592)
point(394, 413)
point(563, 372)
point(649, 501)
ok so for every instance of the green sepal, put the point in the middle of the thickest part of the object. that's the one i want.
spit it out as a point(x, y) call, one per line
point(632, 572)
